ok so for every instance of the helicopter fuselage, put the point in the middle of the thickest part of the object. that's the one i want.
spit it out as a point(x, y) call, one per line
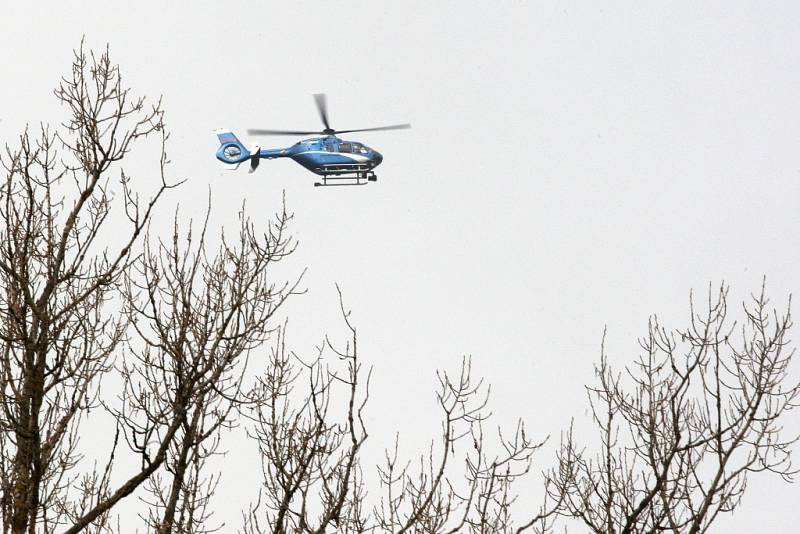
point(325, 156)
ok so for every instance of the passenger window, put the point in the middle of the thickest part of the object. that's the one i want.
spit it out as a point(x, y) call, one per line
point(345, 147)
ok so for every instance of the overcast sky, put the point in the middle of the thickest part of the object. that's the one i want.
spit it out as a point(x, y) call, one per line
point(572, 165)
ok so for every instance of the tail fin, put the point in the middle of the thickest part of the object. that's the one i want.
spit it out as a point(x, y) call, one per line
point(231, 150)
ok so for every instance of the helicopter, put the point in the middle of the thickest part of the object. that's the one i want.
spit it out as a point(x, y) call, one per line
point(337, 161)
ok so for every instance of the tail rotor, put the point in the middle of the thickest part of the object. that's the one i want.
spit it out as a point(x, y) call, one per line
point(231, 150)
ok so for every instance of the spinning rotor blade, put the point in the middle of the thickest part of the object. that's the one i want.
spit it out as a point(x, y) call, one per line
point(392, 127)
point(322, 107)
point(280, 132)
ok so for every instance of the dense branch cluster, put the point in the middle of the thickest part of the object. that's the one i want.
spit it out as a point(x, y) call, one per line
point(682, 429)
point(111, 323)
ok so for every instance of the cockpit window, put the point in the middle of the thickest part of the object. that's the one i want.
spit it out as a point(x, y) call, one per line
point(359, 148)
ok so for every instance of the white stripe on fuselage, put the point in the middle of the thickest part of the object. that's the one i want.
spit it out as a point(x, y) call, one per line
point(355, 157)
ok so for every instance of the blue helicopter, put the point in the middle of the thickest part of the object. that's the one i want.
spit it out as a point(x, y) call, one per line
point(339, 162)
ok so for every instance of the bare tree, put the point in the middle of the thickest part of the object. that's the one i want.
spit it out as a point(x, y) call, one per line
point(313, 480)
point(57, 280)
point(681, 430)
point(311, 473)
point(69, 304)
point(197, 316)
point(431, 499)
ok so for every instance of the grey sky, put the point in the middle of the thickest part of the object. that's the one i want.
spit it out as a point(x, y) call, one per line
point(571, 165)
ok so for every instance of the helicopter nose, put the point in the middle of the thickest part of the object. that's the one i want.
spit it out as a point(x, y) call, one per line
point(377, 158)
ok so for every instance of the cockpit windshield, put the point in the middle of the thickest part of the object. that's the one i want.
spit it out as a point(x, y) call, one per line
point(358, 148)
point(353, 148)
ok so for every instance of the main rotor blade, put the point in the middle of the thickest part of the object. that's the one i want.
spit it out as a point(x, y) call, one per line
point(322, 107)
point(392, 127)
point(281, 132)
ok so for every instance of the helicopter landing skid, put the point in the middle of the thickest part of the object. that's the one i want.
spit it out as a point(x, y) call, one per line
point(336, 180)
